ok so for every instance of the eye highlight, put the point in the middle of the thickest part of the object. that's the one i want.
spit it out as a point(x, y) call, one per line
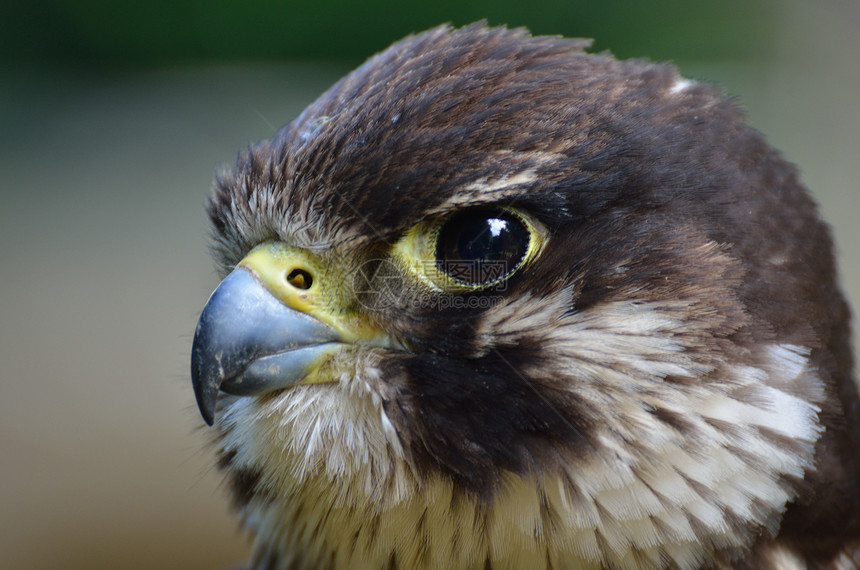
point(481, 245)
point(470, 249)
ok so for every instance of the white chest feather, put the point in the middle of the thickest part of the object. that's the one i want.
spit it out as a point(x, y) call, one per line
point(336, 485)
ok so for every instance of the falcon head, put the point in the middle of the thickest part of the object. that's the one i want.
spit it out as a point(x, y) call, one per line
point(495, 302)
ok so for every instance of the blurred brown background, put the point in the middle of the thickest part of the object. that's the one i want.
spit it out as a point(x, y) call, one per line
point(108, 142)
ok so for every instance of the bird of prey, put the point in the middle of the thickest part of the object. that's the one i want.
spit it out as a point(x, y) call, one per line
point(493, 301)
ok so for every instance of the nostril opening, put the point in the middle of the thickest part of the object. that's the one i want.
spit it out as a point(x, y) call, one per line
point(300, 279)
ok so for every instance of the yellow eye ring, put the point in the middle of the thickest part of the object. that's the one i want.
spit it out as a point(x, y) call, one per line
point(470, 249)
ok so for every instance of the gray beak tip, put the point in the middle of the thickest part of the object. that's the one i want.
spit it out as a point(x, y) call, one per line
point(241, 325)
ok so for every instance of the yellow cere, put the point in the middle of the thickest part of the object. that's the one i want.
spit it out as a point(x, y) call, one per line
point(316, 293)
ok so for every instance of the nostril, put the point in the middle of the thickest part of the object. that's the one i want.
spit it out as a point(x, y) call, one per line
point(300, 279)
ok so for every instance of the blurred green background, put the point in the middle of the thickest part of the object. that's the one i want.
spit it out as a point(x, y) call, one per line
point(163, 32)
point(113, 118)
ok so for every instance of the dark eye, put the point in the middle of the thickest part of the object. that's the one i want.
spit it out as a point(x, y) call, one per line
point(481, 245)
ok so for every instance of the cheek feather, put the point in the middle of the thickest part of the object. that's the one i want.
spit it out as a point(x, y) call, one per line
point(653, 491)
point(705, 461)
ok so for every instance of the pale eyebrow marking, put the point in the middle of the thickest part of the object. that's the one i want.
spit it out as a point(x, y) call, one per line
point(497, 189)
point(484, 185)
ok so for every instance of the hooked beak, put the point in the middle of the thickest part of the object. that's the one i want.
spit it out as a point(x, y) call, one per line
point(248, 343)
point(269, 325)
